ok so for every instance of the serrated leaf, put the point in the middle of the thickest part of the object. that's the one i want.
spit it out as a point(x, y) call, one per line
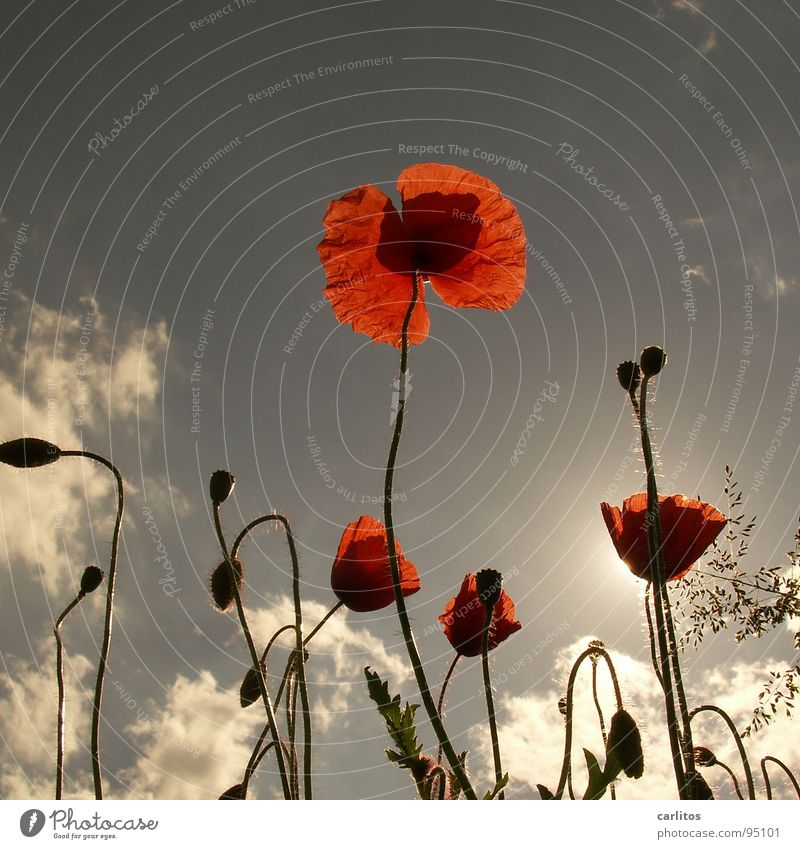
point(492, 794)
point(399, 721)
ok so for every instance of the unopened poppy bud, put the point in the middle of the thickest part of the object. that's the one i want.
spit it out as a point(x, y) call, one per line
point(625, 743)
point(29, 452)
point(628, 375)
point(562, 706)
point(250, 691)
point(489, 583)
point(221, 586)
point(234, 792)
point(221, 486)
point(653, 359)
point(91, 579)
point(704, 756)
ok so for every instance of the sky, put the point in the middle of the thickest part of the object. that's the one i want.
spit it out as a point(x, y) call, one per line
point(164, 172)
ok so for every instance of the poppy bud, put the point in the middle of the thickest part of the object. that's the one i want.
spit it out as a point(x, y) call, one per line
point(704, 756)
point(562, 706)
point(234, 792)
point(628, 375)
point(625, 743)
point(221, 486)
point(250, 691)
point(653, 359)
point(221, 587)
point(489, 583)
point(29, 452)
point(91, 579)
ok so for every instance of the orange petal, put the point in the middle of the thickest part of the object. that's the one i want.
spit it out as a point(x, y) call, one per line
point(472, 232)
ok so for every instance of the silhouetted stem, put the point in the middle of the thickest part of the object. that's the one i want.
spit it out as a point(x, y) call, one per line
point(487, 689)
point(109, 614)
point(402, 612)
point(600, 717)
point(61, 695)
point(785, 768)
point(732, 776)
point(748, 773)
point(440, 704)
point(262, 685)
point(652, 635)
point(566, 764)
point(437, 774)
point(658, 575)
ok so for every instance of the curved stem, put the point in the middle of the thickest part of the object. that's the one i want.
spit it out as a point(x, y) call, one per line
point(298, 625)
point(659, 588)
point(391, 544)
point(600, 718)
point(652, 634)
point(732, 776)
point(262, 686)
point(437, 773)
point(61, 694)
point(440, 704)
point(487, 689)
point(255, 757)
point(785, 768)
point(109, 614)
point(748, 773)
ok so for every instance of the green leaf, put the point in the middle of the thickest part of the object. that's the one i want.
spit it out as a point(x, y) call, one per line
point(597, 780)
point(544, 792)
point(492, 794)
point(399, 721)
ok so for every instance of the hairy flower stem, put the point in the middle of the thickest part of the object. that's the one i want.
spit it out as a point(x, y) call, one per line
point(785, 768)
point(659, 590)
point(592, 651)
point(732, 776)
point(652, 634)
point(262, 685)
point(440, 704)
point(391, 544)
point(61, 696)
point(600, 717)
point(109, 614)
point(748, 773)
point(258, 752)
point(487, 689)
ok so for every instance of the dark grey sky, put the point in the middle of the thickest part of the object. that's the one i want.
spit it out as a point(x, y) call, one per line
point(239, 132)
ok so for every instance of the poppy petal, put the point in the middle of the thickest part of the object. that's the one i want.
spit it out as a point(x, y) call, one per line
point(365, 254)
point(471, 233)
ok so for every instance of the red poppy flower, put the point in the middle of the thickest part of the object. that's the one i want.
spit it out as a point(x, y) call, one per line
point(360, 576)
point(463, 619)
point(688, 527)
point(456, 230)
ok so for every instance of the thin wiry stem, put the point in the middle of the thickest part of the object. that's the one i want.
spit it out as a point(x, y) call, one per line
point(262, 686)
point(61, 694)
point(402, 612)
point(298, 625)
point(652, 635)
point(732, 776)
point(109, 614)
point(440, 704)
point(748, 773)
point(487, 689)
point(785, 768)
point(600, 717)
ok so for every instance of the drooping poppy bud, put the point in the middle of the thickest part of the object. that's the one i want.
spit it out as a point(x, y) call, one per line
point(490, 584)
point(234, 792)
point(652, 360)
point(221, 486)
point(221, 586)
point(704, 756)
point(628, 375)
point(91, 579)
point(29, 452)
point(625, 743)
point(250, 691)
point(562, 706)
